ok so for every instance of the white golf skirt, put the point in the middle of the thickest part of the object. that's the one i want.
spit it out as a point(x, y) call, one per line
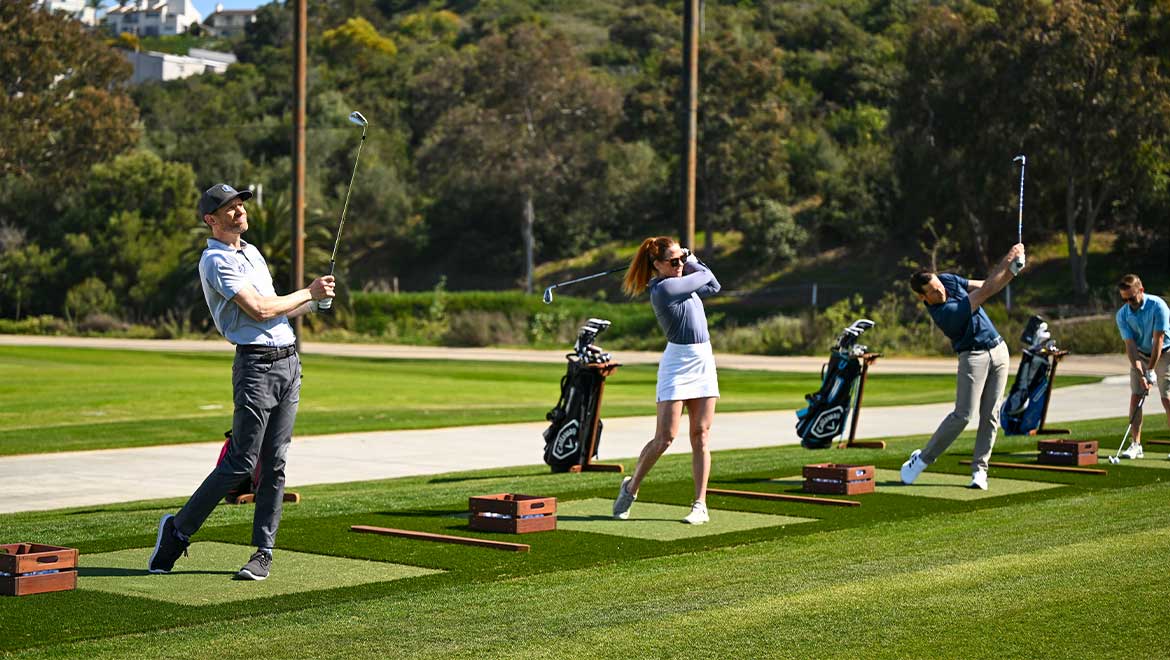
point(687, 371)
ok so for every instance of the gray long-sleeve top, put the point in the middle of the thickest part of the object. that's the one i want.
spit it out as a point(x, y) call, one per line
point(678, 306)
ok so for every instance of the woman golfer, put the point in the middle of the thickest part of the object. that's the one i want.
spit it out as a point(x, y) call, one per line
point(686, 375)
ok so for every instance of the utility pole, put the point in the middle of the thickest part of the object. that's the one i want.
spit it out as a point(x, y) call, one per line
point(300, 38)
point(690, 118)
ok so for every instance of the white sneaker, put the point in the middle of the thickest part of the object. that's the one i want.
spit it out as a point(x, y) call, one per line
point(1133, 451)
point(979, 480)
point(913, 467)
point(698, 514)
point(625, 499)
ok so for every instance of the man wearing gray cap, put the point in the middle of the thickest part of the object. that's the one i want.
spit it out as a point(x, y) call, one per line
point(266, 380)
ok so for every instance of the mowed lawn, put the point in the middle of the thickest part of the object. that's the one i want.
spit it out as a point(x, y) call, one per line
point(61, 399)
point(1074, 567)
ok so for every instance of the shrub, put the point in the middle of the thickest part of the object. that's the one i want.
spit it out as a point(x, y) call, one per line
point(477, 328)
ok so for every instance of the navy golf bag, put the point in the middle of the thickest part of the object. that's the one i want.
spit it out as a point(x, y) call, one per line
point(1024, 406)
point(571, 420)
point(828, 408)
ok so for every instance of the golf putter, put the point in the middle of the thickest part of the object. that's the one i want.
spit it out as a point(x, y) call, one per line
point(1116, 457)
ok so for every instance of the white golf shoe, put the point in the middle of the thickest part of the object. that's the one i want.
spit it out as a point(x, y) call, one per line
point(698, 514)
point(913, 467)
point(1133, 451)
point(978, 480)
point(625, 499)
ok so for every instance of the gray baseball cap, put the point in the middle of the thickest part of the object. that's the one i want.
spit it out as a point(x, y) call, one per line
point(218, 195)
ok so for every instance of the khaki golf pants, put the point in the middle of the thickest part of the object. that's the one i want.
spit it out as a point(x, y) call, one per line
point(981, 380)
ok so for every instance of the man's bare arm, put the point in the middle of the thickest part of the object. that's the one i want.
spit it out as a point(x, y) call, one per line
point(1156, 349)
point(265, 308)
point(996, 280)
point(972, 285)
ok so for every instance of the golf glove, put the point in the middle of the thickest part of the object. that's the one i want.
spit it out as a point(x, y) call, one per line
point(1016, 265)
point(1151, 378)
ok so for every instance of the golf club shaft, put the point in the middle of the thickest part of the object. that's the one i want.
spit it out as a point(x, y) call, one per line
point(327, 303)
point(589, 277)
point(1141, 404)
point(1020, 217)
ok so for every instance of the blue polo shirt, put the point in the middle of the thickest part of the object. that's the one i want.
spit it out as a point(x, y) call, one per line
point(967, 331)
point(1141, 325)
point(225, 271)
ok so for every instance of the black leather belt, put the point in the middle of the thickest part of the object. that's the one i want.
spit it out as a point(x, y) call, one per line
point(267, 353)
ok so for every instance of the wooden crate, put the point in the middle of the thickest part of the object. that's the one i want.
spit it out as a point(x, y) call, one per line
point(512, 514)
point(838, 479)
point(34, 568)
point(1067, 452)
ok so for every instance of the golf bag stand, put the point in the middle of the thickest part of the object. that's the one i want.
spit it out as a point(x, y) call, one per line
point(245, 491)
point(1025, 408)
point(574, 432)
point(828, 408)
point(866, 360)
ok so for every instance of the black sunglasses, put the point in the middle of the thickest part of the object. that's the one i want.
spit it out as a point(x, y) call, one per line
point(678, 261)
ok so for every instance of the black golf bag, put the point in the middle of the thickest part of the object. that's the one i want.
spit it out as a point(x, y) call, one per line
point(1024, 406)
point(828, 408)
point(566, 440)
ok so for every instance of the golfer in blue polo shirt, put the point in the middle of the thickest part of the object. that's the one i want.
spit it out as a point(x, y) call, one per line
point(1144, 323)
point(956, 305)
point(266, 380)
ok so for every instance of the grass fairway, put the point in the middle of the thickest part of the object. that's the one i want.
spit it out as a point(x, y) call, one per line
point(63, 399)
point(1075, 570)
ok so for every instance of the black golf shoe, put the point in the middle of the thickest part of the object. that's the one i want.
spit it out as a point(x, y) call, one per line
point(256, 568)
point(168, 547)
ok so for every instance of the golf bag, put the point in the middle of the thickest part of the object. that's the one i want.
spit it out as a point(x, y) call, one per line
point(248, 484)
point(1024, 406)
point(828, 408)
point(566, 440)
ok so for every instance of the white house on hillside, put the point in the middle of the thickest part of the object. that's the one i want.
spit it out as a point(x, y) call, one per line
point(152, 18)
point(151, 66)
point(76, 8)
point(229, 22)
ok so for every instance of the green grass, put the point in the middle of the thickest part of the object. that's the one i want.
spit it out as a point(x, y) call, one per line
point(1021, 574)
point(62, 399)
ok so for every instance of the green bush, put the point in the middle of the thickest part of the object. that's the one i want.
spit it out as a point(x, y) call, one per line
point(34, 325)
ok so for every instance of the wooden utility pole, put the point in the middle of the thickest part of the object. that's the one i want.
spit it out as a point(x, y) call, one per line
point(300, 38)
point(691, 120)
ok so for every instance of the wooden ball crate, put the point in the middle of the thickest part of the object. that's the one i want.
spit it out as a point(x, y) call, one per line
point(512, 514)
point(1067, 452)
point(35, 568)
point(838, 479)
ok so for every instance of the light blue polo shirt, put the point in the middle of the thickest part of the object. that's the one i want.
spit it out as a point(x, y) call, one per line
point(1140, 326)
point(225, 271)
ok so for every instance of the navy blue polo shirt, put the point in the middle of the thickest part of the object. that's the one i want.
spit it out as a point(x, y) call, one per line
point(967, 331)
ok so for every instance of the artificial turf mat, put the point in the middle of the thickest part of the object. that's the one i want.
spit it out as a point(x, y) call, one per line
point(942, 485)
point(660, 522)
point(205, 576)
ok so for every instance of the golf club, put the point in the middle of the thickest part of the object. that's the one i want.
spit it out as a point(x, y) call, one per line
point(548, 294)
point(1018, 263)
point(1116, 458)
point(325, 304)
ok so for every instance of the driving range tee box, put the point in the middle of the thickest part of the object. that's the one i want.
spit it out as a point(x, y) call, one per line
point(838, 479)
point(35, 568)
point(512, 514)
point(1067, 452)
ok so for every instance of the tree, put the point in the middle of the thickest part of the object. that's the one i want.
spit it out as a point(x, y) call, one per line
point(518, 115)
point(63, 102)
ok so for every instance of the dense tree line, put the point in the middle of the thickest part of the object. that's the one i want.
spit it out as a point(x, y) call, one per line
point(508, 132)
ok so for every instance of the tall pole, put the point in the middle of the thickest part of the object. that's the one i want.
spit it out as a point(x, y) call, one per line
point(300, 34)
point(691, 120)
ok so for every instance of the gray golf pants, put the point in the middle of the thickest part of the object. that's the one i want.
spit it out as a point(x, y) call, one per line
point(266, 395)
point(980, 383)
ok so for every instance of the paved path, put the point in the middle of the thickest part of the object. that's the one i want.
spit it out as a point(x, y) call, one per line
point(50, 481)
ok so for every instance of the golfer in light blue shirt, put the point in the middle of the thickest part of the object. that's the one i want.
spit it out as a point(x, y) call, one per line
point(1144, 324)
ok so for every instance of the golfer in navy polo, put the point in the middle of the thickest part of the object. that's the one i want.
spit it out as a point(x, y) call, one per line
point(1144, 324)
point(266, 380)
point(956, 305)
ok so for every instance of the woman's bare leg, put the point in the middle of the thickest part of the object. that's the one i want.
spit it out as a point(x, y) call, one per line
point(702, 415)
point(669, 415)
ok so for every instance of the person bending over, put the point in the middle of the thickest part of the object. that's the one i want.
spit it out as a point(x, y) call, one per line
point(686, 374)
point(956, 306)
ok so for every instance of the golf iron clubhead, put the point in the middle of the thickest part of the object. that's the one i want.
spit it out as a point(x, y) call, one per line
point(548, 296)
point(357, 118)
